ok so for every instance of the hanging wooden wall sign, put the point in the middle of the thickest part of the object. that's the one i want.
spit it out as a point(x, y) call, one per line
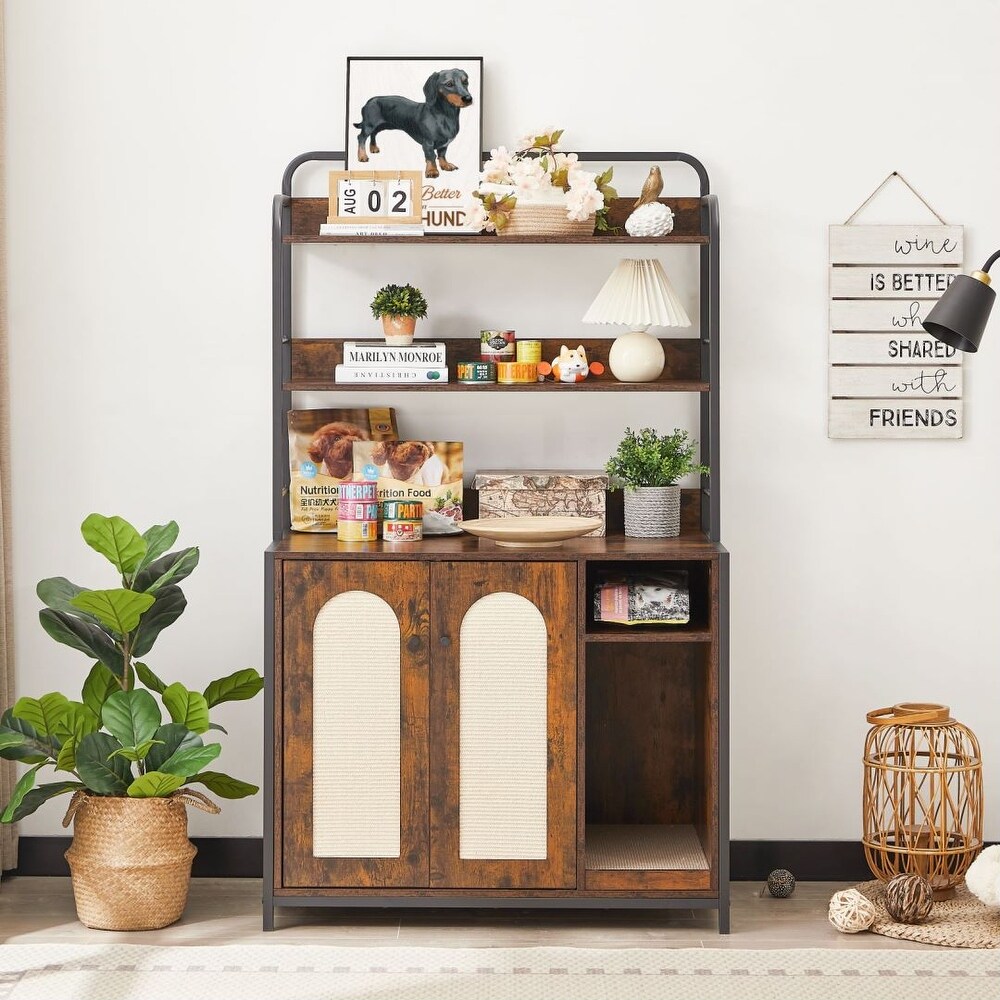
point(888, 378)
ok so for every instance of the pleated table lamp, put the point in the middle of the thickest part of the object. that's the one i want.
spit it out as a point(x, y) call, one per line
point(638, 294)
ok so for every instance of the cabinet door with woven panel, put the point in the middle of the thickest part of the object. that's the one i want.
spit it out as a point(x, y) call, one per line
point(355, 711)
point(503, 725)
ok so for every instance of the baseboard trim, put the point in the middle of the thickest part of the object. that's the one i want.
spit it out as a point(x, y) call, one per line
point(242, 857)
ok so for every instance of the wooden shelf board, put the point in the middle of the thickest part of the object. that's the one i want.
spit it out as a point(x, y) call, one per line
point(597, 632)
point(311, 545)
point(489, 239)
point(606, 383)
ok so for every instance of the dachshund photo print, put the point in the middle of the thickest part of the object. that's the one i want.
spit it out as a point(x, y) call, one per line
point(420, 113)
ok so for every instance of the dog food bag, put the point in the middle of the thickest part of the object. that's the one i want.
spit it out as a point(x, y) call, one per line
point(426, 471)
point(644, 599)
point(321, 454)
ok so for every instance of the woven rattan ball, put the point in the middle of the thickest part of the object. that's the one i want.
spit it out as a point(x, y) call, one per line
point(781, 883)
point(851, 912)
point(909, 899)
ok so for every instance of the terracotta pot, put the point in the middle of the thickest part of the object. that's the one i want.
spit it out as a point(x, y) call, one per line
point(399, 330)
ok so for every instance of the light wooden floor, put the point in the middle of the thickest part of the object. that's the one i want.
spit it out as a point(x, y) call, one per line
point(227, 911)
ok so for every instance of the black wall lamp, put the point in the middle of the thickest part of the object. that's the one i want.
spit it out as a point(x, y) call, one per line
point(959, 317)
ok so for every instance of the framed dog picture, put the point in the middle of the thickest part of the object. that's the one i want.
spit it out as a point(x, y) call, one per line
point(420, 113)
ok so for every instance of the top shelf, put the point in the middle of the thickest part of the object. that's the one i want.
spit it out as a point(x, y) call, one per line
point(308, 214)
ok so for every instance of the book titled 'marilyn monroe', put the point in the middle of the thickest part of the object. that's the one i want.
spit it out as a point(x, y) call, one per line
point(358, 353)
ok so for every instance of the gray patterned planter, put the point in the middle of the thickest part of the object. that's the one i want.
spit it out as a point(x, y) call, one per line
point(653, 512)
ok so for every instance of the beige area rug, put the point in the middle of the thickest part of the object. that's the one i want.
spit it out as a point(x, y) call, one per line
point(960, 922)
point(284, 972)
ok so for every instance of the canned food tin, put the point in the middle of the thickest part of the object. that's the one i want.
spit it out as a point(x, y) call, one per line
point(358, 510)
point(476, 372)
point(496, 345)
point(357, 531)
point(516, 372)
point(402, 531)
point(358, 491)
point(529, 350)
point(402, 510)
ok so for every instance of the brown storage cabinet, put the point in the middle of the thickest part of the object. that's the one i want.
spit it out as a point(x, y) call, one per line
point(446, 724)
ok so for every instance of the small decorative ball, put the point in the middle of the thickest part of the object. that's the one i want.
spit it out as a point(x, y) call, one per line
point(983, 877)
point(652, 219)
point(781, 883)
point(909, 899)
point(851, 912)
point(636, 357)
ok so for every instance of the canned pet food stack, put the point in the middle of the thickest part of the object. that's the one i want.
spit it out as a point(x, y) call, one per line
point(357, 512)
point(402, 521)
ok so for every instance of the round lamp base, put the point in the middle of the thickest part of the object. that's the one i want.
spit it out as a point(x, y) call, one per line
point(636, 357)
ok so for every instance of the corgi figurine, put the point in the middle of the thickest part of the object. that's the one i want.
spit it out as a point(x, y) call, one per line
point(571, 366)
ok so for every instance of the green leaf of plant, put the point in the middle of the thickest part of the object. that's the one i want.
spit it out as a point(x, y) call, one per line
point(191, 760)
point(218, 728)
point(171, 568)
point(33, 799)
point(77, 722)
point(8, 738)
point(84, 636)
point(98, 770)
point(186, 707)
point(99, 684)
point(223, 785)
point(154, 785)
point(158, 539)
point(168, 606)
point(149, 678)
point(66, 761)
point(21, 789)
point(116, 540)
point(44, 713)
point(173, 737)
point(57, 592)
point(32, 749)
point(131, 716)
point(118, 610)
point(238, 686)
point(138, 753)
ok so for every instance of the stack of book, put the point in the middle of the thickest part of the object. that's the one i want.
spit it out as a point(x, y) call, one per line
point(362, 228)
point(420, 363)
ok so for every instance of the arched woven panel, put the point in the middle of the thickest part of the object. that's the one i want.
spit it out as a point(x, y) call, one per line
point(503, 680)
point(356, 748)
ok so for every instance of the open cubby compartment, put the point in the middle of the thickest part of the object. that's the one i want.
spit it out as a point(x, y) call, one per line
point(651, 735)
point(699, 585)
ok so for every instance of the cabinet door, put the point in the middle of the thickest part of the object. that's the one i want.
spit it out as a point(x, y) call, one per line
point(354, 724)
point(503, 725)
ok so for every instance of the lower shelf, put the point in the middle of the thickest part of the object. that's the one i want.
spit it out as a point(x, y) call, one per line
point(645, 856)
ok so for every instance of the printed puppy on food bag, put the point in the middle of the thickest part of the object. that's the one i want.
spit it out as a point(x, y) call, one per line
point(426, 471)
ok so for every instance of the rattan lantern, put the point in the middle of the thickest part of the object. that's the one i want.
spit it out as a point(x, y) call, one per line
point(923, 795)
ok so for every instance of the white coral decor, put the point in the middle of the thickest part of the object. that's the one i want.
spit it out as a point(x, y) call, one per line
point(652, 219)
point(983, 877)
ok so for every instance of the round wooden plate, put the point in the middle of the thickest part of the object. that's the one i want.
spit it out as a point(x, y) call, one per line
point(530, 532)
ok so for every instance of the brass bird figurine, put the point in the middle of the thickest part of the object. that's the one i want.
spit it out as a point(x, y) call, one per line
point(651, 188)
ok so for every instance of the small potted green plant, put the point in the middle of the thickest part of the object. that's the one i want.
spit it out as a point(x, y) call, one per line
point(132, 745)
point(648, 466)
point(399, 306)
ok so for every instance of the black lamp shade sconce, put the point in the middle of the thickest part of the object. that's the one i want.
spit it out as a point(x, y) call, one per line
point(959, 317)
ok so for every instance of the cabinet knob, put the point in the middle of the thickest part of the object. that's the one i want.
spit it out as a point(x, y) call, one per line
point(445, 640)
point(413, 644)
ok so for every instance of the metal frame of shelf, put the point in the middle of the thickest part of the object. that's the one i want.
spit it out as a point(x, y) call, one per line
point(709, 433)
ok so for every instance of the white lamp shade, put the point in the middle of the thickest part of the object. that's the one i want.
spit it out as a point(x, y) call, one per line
point(638, 293)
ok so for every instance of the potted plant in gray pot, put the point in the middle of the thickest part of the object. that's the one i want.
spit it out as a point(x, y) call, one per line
point(399, 306)
point(648, 466)
point(131, 747)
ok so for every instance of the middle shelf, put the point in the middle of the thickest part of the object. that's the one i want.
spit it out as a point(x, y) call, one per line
point(314, 361)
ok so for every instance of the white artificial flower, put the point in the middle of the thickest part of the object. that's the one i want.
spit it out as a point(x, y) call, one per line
point(580, 178)
point(496, 170)
point(567, 160)
point(476, 218)
point(529, 175)
point(582, 202)
point(528, 141)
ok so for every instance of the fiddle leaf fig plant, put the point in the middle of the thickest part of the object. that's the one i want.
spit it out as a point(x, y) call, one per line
point(115, 740)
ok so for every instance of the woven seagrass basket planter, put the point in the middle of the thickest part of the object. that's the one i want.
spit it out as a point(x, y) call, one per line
point(653, 512)
point(544, 220)
point(130, 861)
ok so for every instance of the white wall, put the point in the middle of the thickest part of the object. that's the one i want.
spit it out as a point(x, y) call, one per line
point(146, 141)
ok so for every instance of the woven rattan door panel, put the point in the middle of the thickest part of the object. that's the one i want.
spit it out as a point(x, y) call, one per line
point(355, 710)
point(503, 778)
